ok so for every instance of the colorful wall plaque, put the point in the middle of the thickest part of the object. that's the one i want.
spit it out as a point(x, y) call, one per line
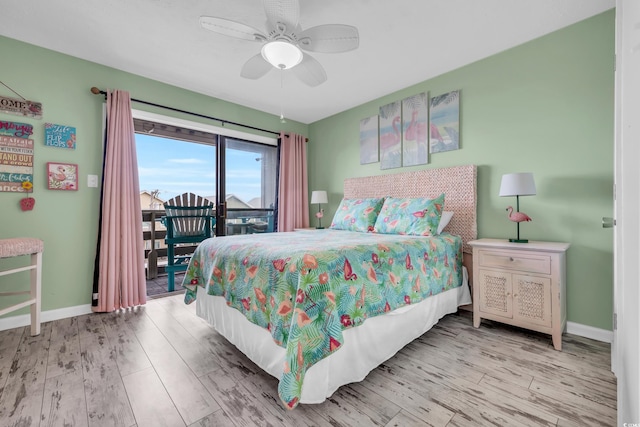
point(20, 107)
point(59, 136)
point(16, 163)
point(62, 176)
point(20, 130)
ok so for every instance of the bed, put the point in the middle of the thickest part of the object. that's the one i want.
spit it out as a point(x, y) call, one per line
point(320, 309)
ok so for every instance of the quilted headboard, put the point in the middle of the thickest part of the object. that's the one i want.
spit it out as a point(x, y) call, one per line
point(458, 183)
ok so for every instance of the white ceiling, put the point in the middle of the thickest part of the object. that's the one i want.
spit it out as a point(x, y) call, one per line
point(402, 43)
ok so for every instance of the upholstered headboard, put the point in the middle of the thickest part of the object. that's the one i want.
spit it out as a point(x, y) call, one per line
point(458, 183)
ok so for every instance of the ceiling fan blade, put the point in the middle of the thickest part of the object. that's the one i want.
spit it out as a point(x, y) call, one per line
point(286, 12)
point(255, 67)
point(329, 38)
point(309, 71)
point(231, 28)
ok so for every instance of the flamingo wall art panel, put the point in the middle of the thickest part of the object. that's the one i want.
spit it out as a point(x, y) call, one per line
point(445, 122)
point(415, 148)
point(369, 140)
point(390, 144)
point(62, 176)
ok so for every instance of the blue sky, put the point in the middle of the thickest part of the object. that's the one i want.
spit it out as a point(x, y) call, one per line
point(175, 167)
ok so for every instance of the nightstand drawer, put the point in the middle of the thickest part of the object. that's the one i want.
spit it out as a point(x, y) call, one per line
point(520, 262)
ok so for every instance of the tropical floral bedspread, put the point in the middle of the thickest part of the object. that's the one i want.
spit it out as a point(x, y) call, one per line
point(307, 287)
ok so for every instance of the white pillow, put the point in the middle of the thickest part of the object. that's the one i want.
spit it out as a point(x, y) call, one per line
point(444, 220)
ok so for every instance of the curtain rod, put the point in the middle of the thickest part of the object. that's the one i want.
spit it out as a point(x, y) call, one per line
point(97, 91)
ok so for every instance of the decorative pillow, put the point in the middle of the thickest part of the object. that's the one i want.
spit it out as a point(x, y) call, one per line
point(444, 220)
point(419, 216)
point(357, 214)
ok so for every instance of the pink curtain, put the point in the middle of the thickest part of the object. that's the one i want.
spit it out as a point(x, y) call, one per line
point(293, 205)
point(120, 277)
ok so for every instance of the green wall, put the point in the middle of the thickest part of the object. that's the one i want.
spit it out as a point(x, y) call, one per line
point(545, 107)
point(68, 221)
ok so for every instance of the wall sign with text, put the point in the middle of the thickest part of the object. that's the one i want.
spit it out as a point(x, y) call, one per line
point(59, 136)
point(20, 107)
point(16, 163)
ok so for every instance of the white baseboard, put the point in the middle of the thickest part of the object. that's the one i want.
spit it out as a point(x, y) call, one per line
point(45, 316)
point(78, 310)
point(590, 332)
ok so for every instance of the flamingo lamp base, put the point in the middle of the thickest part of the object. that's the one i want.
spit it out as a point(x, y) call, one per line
point(319, 227)
point(518, 239)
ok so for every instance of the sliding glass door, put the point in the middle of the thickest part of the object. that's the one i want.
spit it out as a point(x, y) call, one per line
point(248, 180)
point(239, 176)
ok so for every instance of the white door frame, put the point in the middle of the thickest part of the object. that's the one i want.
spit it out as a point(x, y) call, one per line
point(625, 349)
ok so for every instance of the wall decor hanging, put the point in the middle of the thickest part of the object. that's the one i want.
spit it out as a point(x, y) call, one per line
point(444, 113)
point(20, 107)
point(415, 144)
point(390, 143)
point(19, 130)
point(62, 176)
point(16, 163)
point(27, 203)
point(369, 140)
point(59, 136)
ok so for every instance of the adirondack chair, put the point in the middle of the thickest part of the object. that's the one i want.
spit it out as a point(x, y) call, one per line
point(189, 220)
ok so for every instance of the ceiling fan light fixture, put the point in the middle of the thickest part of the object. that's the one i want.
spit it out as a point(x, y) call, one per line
point(281, 54)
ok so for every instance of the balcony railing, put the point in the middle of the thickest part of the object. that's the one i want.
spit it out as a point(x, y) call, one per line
point(243, 221)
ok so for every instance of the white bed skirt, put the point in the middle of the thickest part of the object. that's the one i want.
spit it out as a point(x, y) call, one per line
point(365, 347)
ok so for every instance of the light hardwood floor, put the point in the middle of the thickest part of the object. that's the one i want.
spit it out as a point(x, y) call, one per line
point(160, 365)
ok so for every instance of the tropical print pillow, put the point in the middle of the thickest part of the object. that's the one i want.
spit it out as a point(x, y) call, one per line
point(417, 216)
point(357, 214)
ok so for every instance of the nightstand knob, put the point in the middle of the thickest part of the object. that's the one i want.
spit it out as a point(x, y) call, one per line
point(510, 258)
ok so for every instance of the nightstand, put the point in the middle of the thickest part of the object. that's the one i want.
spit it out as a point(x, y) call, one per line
point(521, 284)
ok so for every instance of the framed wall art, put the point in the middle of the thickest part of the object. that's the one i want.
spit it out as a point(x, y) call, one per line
point(390, 143)
point(62, 176)
point(369, 140)
point(445, 122)
point(415, 143)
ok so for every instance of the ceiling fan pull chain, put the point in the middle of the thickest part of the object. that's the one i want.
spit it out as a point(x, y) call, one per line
point(282, 120)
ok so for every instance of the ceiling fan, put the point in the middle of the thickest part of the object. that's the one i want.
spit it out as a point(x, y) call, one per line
point(284, 41)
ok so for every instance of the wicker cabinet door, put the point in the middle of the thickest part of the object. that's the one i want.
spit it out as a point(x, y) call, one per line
point(532, 299)
point(495, 293)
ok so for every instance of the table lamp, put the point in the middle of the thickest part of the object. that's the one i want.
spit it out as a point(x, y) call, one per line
point(319, 197)
point(517, 184)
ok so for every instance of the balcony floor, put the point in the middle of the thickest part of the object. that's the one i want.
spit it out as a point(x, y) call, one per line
point(157, 288)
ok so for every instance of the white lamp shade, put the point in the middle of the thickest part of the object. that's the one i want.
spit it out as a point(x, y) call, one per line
point(517, 184)
point(281, 54)
point(319, 197)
